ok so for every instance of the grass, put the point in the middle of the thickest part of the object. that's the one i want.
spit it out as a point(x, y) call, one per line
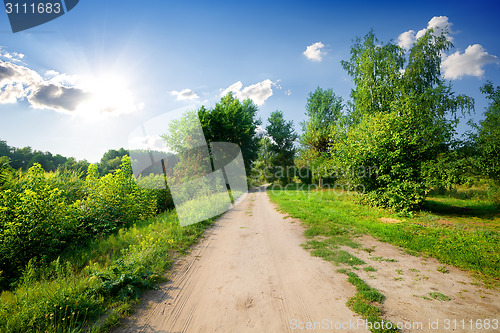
point(90, 288)
point(439, 296)
point(365, 301)
point(442, 269)
point(460, 231)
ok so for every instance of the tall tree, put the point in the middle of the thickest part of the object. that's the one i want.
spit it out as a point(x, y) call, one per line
point(403, 116)
point(233, 121)
point(488, 138)
point(283, 138)
point(319, 131)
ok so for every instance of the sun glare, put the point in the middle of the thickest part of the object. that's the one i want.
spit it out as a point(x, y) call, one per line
point(109, 95)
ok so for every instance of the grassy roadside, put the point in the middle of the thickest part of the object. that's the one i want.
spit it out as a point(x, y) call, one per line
point(89, 288)
point(460, 232)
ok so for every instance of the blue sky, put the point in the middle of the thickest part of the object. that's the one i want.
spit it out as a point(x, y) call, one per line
point(80, 84)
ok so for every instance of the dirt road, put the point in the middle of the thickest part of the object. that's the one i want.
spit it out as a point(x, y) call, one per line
point(251, 274)
point(248, 274)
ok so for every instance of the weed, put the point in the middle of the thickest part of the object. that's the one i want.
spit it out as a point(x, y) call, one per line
point(105, 277)
point(369, 269)
point(439, 296)
point(384, 259)
point(365, 301)
point(442, 269)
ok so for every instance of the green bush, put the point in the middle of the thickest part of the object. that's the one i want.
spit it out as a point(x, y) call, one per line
point(35, 222)
point(159, 190)
point(42, 214)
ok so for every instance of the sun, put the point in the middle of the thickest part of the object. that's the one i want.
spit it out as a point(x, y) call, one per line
point(109, 94)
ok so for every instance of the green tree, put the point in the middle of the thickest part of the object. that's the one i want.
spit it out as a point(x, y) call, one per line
point(283, 138)
point(320, 130)
point(488, 138)
point(262, 165)
point(233, 121)
point(402, 117)
point(111, 160)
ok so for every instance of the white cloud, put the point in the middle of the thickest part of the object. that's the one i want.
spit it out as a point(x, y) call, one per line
point(61, 79)
point(258, 92)
point(11, 93)
point(288, 92)
point(314, 52)
point(186, 94)
point(438, 24)
point(406, 39)
point(471, 62)
point(64, 93)
point(11, 56)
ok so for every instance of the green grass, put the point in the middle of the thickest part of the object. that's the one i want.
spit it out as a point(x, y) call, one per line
point(365, 302)
point(459, 232)
point(442, 269)
point(91, 287)
point(439, 296)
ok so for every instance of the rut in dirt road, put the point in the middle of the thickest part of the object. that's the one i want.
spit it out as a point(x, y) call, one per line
point(248, 274)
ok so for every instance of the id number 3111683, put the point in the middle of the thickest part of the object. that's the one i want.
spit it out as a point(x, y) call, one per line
point(40, 8)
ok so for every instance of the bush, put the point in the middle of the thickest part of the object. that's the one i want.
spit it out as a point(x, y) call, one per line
point(159, 190)
point(35, 220)
point(42, 214)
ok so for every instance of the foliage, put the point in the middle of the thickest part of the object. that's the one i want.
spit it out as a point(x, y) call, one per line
point(488, 138)
point(158, 188)
point(104, 277)
point(319, 132)
point(455, 167)
point(262, 165)
point(282, 146)
point(403, 117)
point(233, 121)
point(111, 160)
point(42, 214)
point(24, 158)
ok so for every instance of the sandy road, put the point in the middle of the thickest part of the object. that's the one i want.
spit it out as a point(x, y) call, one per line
point(248, 274)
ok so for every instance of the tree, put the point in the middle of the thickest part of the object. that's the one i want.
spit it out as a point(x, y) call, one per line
point(111, 160)
point(324, 112)
point(262, 165)
point(488, 138)
point(233, 121)
point(403, 117)
point(282, 145)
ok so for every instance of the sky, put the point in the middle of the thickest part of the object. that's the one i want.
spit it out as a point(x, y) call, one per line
point(81, 84)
